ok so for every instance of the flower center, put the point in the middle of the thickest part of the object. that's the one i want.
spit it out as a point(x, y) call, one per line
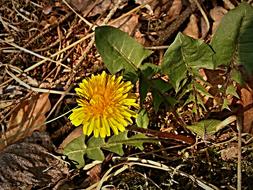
point(101, 102)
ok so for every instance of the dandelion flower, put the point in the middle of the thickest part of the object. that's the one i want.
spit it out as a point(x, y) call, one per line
point(104, 104)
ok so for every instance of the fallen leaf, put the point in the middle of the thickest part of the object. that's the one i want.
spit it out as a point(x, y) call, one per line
point(247, 103)
point(216, 14)
point(230, 152)
point(192, 29)
point(27, 117)
point(174, 10)
point(30, 164)
point(94, 174)
point(128, 24)
point(77, 132)
point(81, 5)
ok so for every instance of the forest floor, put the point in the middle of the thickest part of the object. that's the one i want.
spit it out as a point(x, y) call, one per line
point(47, 48)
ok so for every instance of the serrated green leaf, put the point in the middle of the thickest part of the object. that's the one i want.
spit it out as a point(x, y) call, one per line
point(231, 90)
point(205, 127)
point(157, 100)
point(225, 104)
point(232, 41)
point(181, 94)
point(119, 51)
point(93, 148)
point(202, 90)
point(190, 99)
point(237, 76)
point(161, 85)
point(149, 69)
point(143, 88)
point(115, 146)
point(76, 150)
point(138, 144)
point(184, 55)
point(142, 119)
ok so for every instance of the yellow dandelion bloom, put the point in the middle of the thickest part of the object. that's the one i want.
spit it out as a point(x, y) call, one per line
point(104, 104)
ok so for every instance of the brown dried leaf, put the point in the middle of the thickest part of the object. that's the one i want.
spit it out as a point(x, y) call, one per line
point(81, 5)
point(247, 103)
point(174, 10)
point(192, 29)
point(95, 174)
point(77, 132)
point(128, 24)
point(229, 153)
point(30, 164)
point(216, 14)
point(27, 117)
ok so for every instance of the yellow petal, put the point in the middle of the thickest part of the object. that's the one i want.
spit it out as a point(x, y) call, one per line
point(91, 127)
point(77, 116)
point(106, 126)
point(96, 132)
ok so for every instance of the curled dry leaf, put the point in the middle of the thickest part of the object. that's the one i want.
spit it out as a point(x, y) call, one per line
point(27, 117)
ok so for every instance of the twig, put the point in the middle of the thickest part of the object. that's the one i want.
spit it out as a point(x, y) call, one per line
point(22, 83)
point(239, 164)
point(131, 161)
point(204, 16)
point(41, 34)
point(164, 135)
point(83, 19)
point(60, 99)
point(33, 53)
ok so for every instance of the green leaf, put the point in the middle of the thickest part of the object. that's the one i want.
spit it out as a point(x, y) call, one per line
point(231, 90)
point(142, 119)
point(149, 69)
point(115, 146)
point(138, 143)
point(233, 40)
point(161, 85)
point(205, 127)
point(157, 100)
point(237, 76)
point(185, 54)
point(76, 150)
point(225, 105)
point(202, 90)
point(158, 88)
point(119, 51)
point(93, 148)
point(144, 87)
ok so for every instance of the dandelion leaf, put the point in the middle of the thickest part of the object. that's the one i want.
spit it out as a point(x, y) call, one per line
point(233, 40)
point(142, 119)
point(115, 146)
point(137, 141)
point(93, 148)
point(119, 51)
point(205, 127)
point(76, 150)
point(185, 55)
